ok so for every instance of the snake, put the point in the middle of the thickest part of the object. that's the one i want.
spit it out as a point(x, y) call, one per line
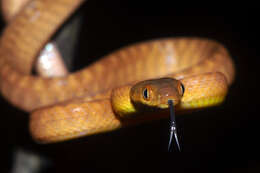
point(129, 86)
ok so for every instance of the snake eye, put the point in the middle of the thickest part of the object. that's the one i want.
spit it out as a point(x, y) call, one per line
point(146, 94)
point(182, 89)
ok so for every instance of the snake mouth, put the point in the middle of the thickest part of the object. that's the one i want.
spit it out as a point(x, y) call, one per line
point(164, 103)
point(163, 106)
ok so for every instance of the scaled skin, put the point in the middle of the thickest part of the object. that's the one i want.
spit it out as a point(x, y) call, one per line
point(90, 101)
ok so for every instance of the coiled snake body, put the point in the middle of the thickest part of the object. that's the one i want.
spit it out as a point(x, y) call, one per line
point(99, 97)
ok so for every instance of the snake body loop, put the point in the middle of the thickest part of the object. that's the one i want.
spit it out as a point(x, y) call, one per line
point(92, 100)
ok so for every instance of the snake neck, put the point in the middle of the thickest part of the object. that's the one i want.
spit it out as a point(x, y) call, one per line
point(121, 102)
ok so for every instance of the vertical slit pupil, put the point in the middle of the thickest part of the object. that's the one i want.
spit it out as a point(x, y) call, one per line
point(145, 94)
point(182, 88)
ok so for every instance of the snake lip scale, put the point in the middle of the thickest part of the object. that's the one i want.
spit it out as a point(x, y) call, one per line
point(98, 98)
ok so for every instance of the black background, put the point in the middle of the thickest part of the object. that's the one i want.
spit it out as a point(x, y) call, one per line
point(219, 139)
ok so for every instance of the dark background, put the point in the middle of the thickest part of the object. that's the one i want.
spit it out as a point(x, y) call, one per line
point(219, 139)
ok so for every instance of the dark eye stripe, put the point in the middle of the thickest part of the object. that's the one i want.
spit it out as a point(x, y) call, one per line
point(182, 88)
point(146, 94)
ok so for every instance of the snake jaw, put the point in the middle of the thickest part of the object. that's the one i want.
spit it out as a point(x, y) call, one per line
point(164, 100)
point(166, 94)
point(165, 105)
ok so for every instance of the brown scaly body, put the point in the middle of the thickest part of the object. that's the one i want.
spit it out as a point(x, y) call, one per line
point(203, 66)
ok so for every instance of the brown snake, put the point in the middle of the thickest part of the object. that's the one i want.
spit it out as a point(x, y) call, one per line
point(97, 98)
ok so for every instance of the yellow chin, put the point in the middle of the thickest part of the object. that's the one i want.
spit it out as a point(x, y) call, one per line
point(163, 106)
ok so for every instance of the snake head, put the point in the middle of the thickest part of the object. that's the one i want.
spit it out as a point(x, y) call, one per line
point(156, 93)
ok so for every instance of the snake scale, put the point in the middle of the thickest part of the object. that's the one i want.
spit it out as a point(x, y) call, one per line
point(96, 99)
